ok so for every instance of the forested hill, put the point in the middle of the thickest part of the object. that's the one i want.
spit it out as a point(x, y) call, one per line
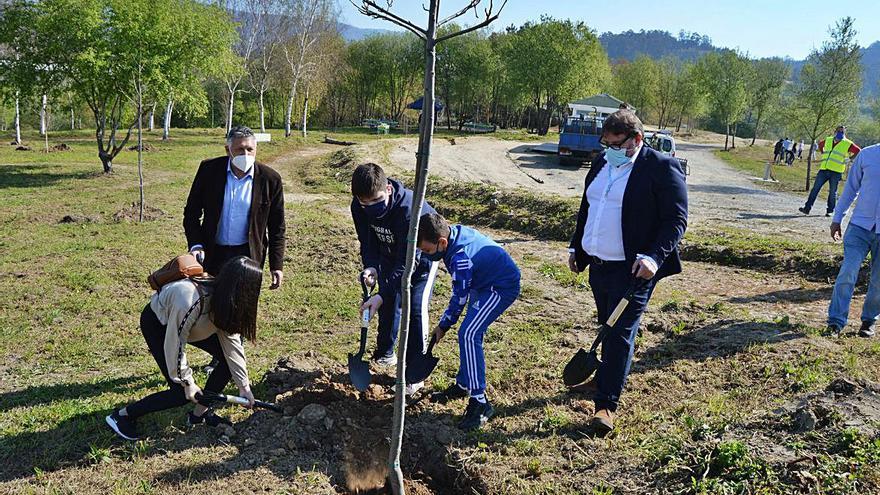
point(690, 46)
point(655, 44)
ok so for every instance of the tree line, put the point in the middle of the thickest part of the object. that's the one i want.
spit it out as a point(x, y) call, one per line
point(284, 64)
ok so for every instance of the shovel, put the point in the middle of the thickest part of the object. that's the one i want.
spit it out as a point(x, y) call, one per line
point(584, 363)
point(209, 399)
point(421, 369)
point(358, 369)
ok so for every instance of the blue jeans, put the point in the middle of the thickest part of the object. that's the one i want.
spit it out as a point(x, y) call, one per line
point(857, 243)
point(609, 282)
point(823, 176)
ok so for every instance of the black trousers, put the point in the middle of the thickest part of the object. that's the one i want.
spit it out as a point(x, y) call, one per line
point(221, 254)
point(154, 334)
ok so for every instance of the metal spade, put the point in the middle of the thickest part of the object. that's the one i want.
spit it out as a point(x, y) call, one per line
point(584, 363)
point(358, 369)
point(422, 368)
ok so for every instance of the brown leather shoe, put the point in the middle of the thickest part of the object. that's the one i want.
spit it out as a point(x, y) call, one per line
point(603, 422)
point(589, 388)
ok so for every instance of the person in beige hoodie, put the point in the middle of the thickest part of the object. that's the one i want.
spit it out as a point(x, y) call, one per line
point(211, 314)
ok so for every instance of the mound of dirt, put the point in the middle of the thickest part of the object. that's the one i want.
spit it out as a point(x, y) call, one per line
point(328, 425)
point(132, 212)
point(22, 148)
point(78, 219)
point(60, 147)
point(145, 147)
point(845, 402)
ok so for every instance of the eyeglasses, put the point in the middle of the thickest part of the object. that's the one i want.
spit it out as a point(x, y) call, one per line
point(616, 146)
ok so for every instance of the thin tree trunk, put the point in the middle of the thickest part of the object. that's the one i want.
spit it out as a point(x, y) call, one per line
point(733, 137)
point(43, 119)
point(166, 125)
point(726, 137)
point(230, 109)
point(140, 147)
point(305, 114)
point(288, 113)
point(757, 123)
point(152, 119)
point(426, 133)
point(809, 164)
point(262, 111)
point(17, 121)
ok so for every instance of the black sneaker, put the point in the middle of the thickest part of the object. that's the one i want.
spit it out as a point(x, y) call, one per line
point(804, 210)
point(122, 426)
point(452, 392)
point(833, 331)
point(867, 329)
point(476, 414)
point(209, 418)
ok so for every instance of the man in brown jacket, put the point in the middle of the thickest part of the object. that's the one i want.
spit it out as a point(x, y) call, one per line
point(236, 208)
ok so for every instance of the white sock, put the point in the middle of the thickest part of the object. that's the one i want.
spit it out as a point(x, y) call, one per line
point(481, 398)
point(123, 412)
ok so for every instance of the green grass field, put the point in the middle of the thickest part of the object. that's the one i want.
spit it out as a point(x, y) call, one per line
point(753, 159)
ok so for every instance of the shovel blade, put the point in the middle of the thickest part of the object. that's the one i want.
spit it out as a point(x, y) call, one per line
point(359, 372)
point(421, 369)
point(579, 369)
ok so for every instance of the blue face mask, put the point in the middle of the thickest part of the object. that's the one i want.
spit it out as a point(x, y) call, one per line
point(376, 210)
point(838, 136)
point(616, 158)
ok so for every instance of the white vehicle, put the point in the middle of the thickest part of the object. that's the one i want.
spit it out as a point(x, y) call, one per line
point(663, 142)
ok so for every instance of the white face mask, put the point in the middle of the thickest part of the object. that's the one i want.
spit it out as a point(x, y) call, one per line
point(243, 162)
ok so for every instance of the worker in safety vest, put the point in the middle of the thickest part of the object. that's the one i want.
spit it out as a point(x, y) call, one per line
point(834, 151)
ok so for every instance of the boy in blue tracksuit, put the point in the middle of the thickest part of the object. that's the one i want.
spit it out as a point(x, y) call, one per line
point(485, 278)
point(381, 209)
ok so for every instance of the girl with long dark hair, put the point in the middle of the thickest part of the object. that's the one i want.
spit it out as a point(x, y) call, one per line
point(211, 314)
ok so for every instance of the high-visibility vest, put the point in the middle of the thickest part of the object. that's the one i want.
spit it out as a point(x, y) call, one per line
point(834, 156)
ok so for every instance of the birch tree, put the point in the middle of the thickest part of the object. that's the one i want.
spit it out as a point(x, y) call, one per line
point(309, 21)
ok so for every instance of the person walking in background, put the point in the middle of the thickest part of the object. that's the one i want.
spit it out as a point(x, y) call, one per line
point(813, 148)
point(800, 149)
point(786, 150)
point(777, 151)
point(835, 150)
point(860, 239)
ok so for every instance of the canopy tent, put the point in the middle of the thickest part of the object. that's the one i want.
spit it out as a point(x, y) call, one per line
point(417, 105)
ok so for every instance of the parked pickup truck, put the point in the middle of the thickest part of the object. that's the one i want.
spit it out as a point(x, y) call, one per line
point(579, 140)
point(663, 142)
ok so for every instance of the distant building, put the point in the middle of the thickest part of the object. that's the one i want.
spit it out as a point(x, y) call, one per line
point(602, 104)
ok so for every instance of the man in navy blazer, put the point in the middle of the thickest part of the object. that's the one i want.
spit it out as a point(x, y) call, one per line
point(632, 216)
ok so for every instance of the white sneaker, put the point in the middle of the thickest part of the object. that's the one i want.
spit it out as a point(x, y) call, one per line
point(387, 360)
point(412, 388)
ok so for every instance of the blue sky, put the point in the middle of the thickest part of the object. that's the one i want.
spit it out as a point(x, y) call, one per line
point(761, 28)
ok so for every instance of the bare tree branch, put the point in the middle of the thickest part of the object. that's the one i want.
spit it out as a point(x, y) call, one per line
point(489, 18)
point(463, 11)
point(369, 8)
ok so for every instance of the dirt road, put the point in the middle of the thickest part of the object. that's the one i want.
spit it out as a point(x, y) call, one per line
point(719, 195)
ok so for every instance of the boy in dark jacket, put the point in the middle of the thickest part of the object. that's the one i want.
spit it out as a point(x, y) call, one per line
point(381, 209)
point(485, 278)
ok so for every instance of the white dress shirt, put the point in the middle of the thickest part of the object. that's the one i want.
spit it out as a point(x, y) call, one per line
point(603, 233)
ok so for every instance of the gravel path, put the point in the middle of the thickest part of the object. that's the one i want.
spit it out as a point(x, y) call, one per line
point(719, 195)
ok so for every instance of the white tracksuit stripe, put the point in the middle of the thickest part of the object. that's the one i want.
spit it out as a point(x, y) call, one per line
point(426, 328)
point(470, 358)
